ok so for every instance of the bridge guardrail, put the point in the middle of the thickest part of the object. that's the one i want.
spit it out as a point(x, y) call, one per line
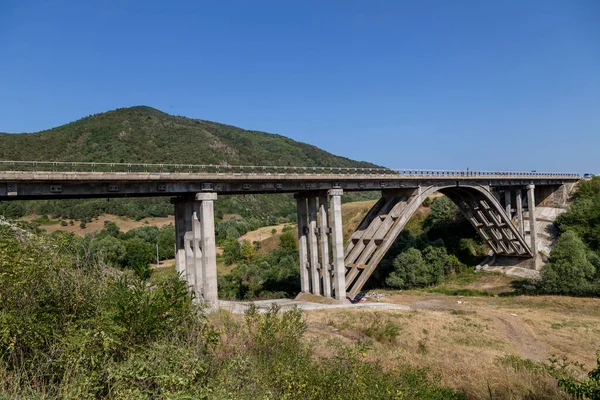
point(65, 166)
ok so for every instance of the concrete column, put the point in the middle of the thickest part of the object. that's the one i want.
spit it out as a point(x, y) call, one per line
point(209, 247)
point(188, 238)
point(313, 245)
point(337, 244)
point(179, 240)
point(520, 221)
point(197, 249)
point(532, 227)
point(303, 243)
point(324, 239)
point(508, 204)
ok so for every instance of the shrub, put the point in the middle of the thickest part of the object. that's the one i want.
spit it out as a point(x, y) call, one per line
point(232, 251)
point(288, 242)
point(588, 388)
point(443, 211)
point(409, 269)
point(569, 271)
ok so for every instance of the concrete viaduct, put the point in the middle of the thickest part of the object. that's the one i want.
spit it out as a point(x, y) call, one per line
point(499, 205)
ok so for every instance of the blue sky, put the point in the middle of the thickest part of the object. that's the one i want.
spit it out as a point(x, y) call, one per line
point(428, 84)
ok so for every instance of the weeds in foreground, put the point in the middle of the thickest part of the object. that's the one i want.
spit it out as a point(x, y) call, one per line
point(76, 329)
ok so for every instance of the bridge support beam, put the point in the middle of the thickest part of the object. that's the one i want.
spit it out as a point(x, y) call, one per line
point(337, 244)
point(316, 226)
point(532, 221)
point(195, 246)
point(375, 234)
point(508, 203)
point(520, 219)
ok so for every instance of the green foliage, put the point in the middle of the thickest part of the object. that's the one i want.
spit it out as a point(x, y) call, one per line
point(272, 276)
point(443, 212)
point(247, 251)
point(148, 313)
point(583, 216)
point(138, 254)
point(410, 269)
point(574, 264)
point(73, 328)
point(442, 244)
point(288, 242)
point(422, 268)
point(232, 251)
point(569, 271)
point(588, 388)
point(384, 332)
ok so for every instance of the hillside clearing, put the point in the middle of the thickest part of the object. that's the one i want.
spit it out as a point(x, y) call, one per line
point(124, 224)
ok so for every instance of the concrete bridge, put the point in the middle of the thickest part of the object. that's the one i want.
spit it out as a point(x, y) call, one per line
point(500, 205)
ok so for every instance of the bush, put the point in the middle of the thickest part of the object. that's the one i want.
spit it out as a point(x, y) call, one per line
point(588, 388)
point(288, 242)
point(410, 269)
point(422, 268)
point(569, 271)
point(443, 211)
point(232, 251)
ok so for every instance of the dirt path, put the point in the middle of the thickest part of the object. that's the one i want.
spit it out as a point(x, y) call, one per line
point(526, 329)
point(521, 336)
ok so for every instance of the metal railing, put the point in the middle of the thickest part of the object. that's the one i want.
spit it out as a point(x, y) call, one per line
point(64, 166)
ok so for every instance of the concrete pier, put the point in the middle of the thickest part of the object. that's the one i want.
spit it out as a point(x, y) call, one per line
point(179, 239)
point(337, 244)
point(320, 244)
point(324, 245)
point(209, 247)
point(196, 257)
point(197, 250)
point(520, 219)
point(532, 223)
point(508, 203)
point(302, 214)
point(313, 245)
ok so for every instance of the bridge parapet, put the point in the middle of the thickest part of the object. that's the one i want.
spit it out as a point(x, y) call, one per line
point(250, 170)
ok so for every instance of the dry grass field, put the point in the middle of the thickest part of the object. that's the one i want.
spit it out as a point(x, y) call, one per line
point(477, 344)
point(124, 224)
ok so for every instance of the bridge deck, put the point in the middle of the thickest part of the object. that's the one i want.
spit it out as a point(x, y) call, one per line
point(33, 179)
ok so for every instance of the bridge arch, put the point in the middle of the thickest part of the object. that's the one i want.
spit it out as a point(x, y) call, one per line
point(387, 218)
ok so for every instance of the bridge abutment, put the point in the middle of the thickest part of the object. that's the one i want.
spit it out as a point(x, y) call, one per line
point(195, 245)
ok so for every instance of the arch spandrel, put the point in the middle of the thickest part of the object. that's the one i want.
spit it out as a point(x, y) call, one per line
point(388, 217)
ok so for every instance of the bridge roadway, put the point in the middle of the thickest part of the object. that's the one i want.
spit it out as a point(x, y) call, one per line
point(56, 180)
point(500, 206)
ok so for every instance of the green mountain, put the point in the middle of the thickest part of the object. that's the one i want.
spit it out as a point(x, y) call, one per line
point(144, 134)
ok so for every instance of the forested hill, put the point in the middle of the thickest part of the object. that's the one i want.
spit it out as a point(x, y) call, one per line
point(144, 134)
